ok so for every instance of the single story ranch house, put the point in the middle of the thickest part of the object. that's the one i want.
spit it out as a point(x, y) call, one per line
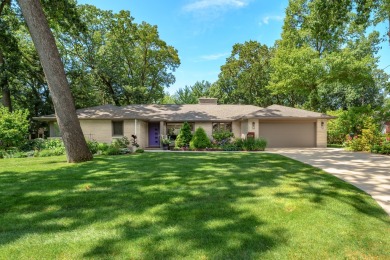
point(281, 126)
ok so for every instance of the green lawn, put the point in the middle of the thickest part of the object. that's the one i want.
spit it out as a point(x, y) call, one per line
point(185, 205)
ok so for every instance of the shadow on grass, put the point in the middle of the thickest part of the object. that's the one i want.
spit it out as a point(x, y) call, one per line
point(167, 204)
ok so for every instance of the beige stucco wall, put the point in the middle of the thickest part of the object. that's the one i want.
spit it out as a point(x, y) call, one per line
point(142, 133)
point(244, 127)
point(322, 133)
point(99, 130)
point(128, 128)
point(207, 126)
point(253, 126)
point(236, 129)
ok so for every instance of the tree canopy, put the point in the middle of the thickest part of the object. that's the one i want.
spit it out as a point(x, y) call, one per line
point(245, 75)
point(325, 59)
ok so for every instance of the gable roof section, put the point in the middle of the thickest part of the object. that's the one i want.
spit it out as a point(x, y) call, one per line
point(164, 112)
point(278, 112)
point(197, 112)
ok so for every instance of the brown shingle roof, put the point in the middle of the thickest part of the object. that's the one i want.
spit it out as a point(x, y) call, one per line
point(278, 111)
point(189, 112)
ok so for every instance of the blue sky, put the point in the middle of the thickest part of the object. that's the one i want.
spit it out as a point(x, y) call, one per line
point(204, 31)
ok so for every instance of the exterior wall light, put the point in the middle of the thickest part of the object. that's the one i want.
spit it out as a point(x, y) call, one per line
point(322, 124)
point(253, 125)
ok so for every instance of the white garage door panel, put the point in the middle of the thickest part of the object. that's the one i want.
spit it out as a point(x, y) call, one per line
point(288, 134)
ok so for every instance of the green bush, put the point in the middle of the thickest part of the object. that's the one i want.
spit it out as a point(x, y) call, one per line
point(13, 128)
point(200, 139)
point(230, 147)
point(121, 142)
point(51, 152)
point(250, 144)
point(103, 147)
point(184, 137)
point(260, 144)
point(353, 120)
point(382, 147)
point(34, 144)
point(139, 151)
point(222, 136)
point(365, 142)
point(112, 150)
point(93, 146)
point(41, 144)
point(53, 143)
point(11, 153)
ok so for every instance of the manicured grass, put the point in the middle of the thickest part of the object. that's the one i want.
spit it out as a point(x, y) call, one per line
point(185, 205)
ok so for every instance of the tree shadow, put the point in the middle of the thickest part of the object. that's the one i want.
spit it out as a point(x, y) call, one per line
point(154, 200)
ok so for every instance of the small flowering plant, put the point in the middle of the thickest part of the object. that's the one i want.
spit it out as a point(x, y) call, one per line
point(134, 141)
point(165, 140)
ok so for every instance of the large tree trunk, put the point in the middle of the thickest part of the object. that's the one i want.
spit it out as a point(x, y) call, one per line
point(6, 93)
point(72, 135)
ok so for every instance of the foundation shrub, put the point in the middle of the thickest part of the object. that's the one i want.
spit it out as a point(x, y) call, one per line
point(200, 139)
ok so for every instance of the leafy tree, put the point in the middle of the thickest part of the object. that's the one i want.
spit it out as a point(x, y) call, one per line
point(200, 139)
point(168, 99)
point(72, 135)
point(351, 121)
point(244, 77)
point(125, 62)
point(13, 128)
point(185, 96)
point(324, 59)
point(184, 137)
point(191, 94)
point(22, 80)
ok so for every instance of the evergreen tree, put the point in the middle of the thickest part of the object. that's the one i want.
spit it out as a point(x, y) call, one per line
point(200, 139)
point(185, 136)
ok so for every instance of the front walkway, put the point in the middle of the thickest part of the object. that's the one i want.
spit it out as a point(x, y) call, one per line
point(368, 172)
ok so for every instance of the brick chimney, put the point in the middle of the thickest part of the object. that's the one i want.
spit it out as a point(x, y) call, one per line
point(208, 101)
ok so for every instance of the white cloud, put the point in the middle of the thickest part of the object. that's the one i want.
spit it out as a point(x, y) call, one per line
point(267, 19)
point(201, 5)
point(215, 56)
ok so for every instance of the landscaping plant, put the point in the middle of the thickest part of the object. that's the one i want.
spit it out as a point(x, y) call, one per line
point(13, 128)
point(200, 139)
point(184, 137)
point(222, 136)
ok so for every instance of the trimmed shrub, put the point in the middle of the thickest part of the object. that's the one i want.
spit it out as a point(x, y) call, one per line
point(139, 151)
point(200, 139)
point(185, 136)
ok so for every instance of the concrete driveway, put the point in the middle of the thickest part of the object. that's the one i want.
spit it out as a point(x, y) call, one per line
point(368, 172)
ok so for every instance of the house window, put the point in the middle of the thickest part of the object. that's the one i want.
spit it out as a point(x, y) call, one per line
point(117, 128)
point(222, 126)
point(173, 129)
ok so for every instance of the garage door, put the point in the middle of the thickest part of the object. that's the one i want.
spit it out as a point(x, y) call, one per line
point(288, 134)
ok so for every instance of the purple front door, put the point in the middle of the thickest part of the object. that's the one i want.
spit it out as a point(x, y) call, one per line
point(154, 134)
